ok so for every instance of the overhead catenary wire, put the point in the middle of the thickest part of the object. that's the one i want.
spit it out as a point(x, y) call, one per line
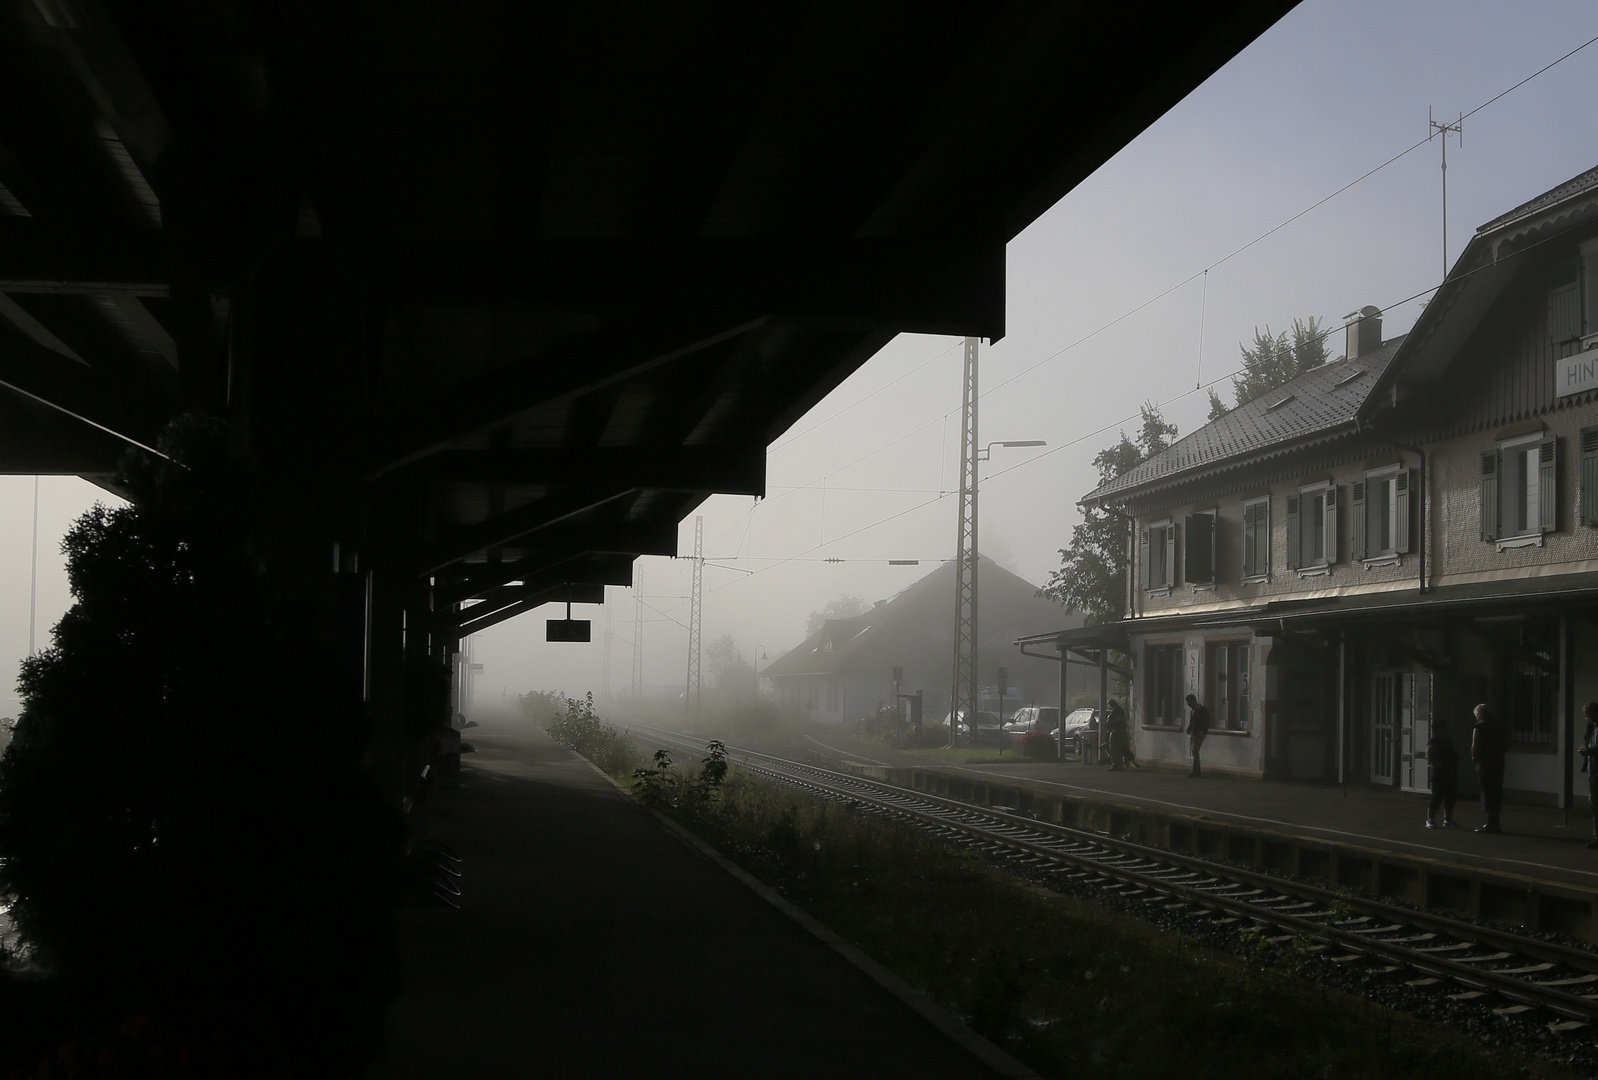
point(1202, 274)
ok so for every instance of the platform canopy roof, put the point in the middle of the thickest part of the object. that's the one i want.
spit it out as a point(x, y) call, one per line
point(535, 277)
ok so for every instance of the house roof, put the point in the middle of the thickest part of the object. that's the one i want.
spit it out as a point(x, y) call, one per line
point(1576, 185)
point(1321, 403)
point(1481, 274)
point(905, 628)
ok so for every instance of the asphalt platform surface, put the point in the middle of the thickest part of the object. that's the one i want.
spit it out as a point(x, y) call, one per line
point(591, 941)
point(1539, 842)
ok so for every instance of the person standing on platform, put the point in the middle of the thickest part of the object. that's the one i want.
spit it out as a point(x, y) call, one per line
point(1198, 726)
point(1488, 745)
point(1445, 775)
point(1120, 739)
point(1589, 763)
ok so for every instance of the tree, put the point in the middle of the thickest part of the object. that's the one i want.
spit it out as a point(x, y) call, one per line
point(844, 607)
point(184, 818)
point(730, 674)
point(1092, 574)
point(1218, 407)
point(1274, 360)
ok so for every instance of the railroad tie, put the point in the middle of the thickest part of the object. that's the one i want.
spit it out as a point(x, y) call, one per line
point(1513, 1010)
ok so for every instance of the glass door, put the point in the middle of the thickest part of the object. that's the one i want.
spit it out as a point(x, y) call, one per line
point(1415, 705)
point(1384, 709)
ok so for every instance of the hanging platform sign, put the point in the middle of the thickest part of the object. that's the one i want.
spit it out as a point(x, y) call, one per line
point(1577, 373)
point(568, 630)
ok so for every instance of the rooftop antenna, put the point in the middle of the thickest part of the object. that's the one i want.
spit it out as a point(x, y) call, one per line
point(1204, 302)
point(1434, 129)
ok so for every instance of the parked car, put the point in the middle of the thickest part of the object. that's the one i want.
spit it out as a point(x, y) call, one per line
point(1044, 718)
point(1079, 728)
point(987, 725)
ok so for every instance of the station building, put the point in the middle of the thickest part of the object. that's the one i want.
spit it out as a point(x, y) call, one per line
point(1386, 540)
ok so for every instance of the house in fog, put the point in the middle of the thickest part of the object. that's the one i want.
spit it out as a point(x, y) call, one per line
point(845, 671)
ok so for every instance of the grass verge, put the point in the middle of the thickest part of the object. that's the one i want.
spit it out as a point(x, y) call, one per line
point(1069, 987)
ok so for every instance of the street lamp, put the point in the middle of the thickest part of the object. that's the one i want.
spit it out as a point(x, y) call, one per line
point(965, 586)
point(982, 455)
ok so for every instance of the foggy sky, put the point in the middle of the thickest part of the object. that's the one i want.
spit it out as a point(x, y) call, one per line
point(1330, 92)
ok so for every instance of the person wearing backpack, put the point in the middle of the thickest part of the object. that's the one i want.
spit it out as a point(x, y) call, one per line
point(1488, 745)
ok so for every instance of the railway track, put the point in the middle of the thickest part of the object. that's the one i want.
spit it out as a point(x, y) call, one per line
point(1519, 976)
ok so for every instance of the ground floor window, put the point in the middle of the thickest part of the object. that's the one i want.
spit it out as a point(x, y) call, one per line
point(1534, 699)
point(1164, 685)
point(1226, 689)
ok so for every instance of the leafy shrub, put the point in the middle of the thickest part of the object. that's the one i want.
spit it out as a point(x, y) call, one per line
point(580, 730)
point(1037, 744)
point(885, 727)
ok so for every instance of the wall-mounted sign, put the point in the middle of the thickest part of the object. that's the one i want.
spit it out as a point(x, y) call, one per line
point(1578, 373)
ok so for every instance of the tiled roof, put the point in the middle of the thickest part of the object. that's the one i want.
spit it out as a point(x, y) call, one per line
point(1574, 186)
point(1317, 403)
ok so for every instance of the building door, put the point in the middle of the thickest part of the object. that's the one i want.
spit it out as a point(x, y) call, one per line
point(1415, 711)
point(1384, 726)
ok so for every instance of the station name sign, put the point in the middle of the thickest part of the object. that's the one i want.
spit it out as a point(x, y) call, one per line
point(1578, 373)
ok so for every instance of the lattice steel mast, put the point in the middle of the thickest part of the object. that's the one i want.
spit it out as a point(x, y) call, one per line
point(692, 695)
point(963, 696)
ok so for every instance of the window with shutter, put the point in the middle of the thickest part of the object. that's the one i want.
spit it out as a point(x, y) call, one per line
point(1256, 539)
point(1329, 513)
point(1526, 482)
point(1170, 554)
point(1547, 488)
point(1295, 554)
point(1356, 525)
point(1589, 476)
point(1564, 312)
point(1143, 559)
point(1489, 495)
point(1399, 539)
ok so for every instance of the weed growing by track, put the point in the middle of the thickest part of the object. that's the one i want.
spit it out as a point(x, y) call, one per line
point(1069, 987)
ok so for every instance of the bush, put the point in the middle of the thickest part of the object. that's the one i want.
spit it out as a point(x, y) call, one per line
point(580, 730)
point(1039, 745)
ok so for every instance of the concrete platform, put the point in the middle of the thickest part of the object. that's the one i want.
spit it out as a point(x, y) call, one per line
point(592, 941)
point(1538, 872)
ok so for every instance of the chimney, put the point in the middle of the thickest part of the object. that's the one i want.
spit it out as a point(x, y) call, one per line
point(1364, 331)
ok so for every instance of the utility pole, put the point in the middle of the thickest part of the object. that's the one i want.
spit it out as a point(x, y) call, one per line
point(691, 698)
point(1434, 129)
point(638, 636)
point(963, 694)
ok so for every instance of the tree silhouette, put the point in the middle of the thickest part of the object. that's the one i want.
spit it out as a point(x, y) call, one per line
point(1274, 360)
point(184, 823)
point(1091, 578)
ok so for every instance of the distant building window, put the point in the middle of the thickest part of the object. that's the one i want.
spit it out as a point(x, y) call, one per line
point(1164, 698)
point(1226, 679)
point(1257, 539)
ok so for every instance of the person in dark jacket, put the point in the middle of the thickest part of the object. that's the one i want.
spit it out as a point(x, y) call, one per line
point(1198, 726)
point(1120, 738)
point(1445, 776)
point(1488, 745)
point(1589, 763)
